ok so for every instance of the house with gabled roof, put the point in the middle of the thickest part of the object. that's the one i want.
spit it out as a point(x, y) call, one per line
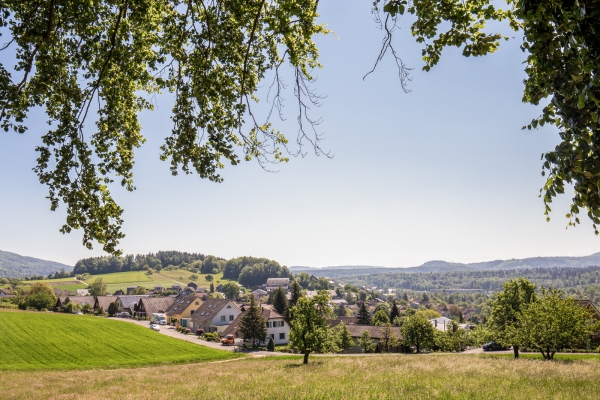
point(182, 308)
point(277, 326)
point(593, 310)
point(215, 315)
point(275, 283)
point(103, 302)
point(5, 292)
point(356, 332)
point(128, 303)
point(259, 294)
point(150, 305)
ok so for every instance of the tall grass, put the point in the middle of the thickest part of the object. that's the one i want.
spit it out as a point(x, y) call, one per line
point(378, 377)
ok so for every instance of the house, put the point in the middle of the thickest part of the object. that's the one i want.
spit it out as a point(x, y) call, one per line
point(150, 305)
point(159, 288)
point(188, 291)
point(81, 300)
point(128, 303)
point(441, 323)
point(183, 308)
point(4, 292)
point(594, 311)
point(275, 283)
point(193, 285)
point(339, 302)
point(443, 311)
point(103, 302)
point(259, 294)
point(277, 326)
point(312, 293)
point(214, 315)
point(176, 286)
point(119, 293)
point(356, 332)
point(131, 289)
point(83, 292)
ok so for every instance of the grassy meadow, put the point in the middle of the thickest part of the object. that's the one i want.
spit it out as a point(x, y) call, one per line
point(121, 280)
point(378, 377)
point(48, 341)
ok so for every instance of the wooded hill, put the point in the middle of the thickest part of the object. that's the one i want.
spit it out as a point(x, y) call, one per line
point(13, 265)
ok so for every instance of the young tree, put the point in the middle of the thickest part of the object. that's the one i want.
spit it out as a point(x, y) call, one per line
point(139, 290)
point(389, 340)
point(209, 278)
point(366, 342)
point(231, 290)
point(345, 341)
point(98, 288)
point(295, 295)
point(41, 295)
point(380, 318)
point(112, 309)
point(271, 344)
point(280, 303)
point(363, 317)
point(394, 312)
point(506, 309)
point(553, 323)
point(252, 325)
point(309, 327)
point(417, 332)
point(212, 287)
point(193, 277)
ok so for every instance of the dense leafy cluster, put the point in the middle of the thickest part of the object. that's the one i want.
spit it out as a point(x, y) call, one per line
point(159, 260)
point(234, 267)
point(257, 274)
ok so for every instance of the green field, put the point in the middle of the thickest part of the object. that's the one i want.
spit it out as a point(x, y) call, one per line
point(48, 341)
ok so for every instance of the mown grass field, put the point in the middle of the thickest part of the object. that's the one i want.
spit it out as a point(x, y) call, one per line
point(378, 377)
point(48, 341)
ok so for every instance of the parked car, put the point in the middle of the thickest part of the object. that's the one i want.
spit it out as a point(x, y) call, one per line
point(124, 314)
point(493, 346)
point(155, 327)
point(228, 340)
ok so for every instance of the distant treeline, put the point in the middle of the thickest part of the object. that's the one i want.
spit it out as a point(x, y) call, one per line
point(489, 280)
point(139, 262)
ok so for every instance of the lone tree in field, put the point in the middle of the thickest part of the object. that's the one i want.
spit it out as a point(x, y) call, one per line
point(363, 317)
point(98, 287)
point(309, 326)
point(280, 303)
point(417, 332)
point(554, 323)
point(40, 296)
point(504, 320)
point(252, 325)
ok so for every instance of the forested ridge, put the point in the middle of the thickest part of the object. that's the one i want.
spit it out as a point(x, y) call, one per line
point(488, 280)
point(13, 265)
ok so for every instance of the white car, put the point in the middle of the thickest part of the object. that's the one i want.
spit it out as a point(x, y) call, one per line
point(155, 327)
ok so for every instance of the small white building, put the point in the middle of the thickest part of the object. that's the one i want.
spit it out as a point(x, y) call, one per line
point(83, 292)
point(275, 283)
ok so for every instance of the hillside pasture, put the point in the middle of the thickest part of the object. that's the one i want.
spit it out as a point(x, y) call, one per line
point(49, 341)
point(372, 377)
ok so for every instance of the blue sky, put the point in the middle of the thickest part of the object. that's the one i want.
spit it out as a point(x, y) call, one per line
point(444, 172)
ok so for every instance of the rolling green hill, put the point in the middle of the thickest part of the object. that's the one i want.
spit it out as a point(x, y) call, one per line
point(49, 341)
point(13, 265)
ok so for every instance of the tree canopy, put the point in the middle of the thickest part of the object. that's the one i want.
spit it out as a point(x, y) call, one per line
point(103, 61)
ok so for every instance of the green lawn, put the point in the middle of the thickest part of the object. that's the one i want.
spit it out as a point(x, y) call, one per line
point(49, 341)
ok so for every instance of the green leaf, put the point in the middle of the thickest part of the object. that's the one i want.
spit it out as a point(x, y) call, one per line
point(581, 101)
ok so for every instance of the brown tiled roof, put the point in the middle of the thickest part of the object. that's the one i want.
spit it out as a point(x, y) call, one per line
point(274, 282)
point(156, 304)
point(104, 301)
point(180, 304)
point(267, 313)
point(5, 291)
point(357, 330)
point(209, 309)
point(81, 300)
point(130, 301)
point(590, 306)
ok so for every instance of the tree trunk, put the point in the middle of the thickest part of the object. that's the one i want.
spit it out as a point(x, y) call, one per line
point(306, 358)
point(516, 351)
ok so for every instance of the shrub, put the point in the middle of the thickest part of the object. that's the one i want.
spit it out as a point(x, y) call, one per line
point(200, 332)
point(271, 345)
point(187, 331)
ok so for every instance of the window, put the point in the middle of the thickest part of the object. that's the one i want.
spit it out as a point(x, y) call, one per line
point(192, 312)
point(231, 317)
point(222, 318)
point(273, 336)
point(282, 336)
point(197, 304)
point(228, 306)
point(268, 324)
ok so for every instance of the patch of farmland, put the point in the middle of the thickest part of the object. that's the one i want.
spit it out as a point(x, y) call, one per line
point(44, 341)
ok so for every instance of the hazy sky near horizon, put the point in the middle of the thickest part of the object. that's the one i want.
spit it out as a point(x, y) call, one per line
point(444, 172)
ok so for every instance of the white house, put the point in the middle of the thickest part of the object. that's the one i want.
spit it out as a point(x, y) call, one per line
point(83, 292)
point(214, 315)
point(259, 293)
point(443, 324)
point(277, 326)
point(274, 283)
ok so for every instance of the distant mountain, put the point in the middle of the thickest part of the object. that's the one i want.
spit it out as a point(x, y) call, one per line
point(445, 266)
point(16, 266)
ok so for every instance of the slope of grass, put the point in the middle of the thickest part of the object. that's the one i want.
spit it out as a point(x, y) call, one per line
point(378, 377)
point(38, 341)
